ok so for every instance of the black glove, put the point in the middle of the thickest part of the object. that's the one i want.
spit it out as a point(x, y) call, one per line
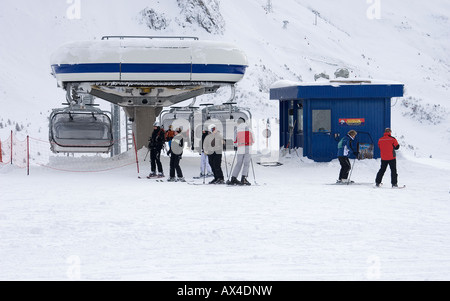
point(235, 148)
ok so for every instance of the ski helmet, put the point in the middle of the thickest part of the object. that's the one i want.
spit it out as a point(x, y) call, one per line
point(212, 127)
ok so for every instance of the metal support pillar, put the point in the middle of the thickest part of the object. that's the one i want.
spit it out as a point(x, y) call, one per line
point(143, 119)
point(115, 114)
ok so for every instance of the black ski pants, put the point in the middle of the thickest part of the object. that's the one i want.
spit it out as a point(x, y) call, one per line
point(345, 168)
point(215, 161)
point(155, 159)
point(393, 166)
point(175, 166)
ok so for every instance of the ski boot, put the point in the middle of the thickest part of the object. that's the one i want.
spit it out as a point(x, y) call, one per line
point(244, 181)
point(220, 181)
point(234, 181)
point(181, 179)
point(344, 181)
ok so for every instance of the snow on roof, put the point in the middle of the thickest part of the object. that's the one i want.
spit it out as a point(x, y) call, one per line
point(333, 82)
point(111, 50)
point(338, 88)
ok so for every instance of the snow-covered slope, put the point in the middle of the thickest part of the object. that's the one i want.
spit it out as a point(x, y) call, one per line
point(405, 41)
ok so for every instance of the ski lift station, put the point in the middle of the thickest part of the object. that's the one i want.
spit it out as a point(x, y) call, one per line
point(315, 116)
point(142, 75)
point(196, 119)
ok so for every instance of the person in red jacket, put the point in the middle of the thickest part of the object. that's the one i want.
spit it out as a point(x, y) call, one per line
point(243, 141)
point(388, 145)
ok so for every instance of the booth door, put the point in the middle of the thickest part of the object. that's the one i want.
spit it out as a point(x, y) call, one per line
point(323, 148)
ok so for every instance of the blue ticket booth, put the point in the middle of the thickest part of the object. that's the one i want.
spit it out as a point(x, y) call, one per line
point(315, 116)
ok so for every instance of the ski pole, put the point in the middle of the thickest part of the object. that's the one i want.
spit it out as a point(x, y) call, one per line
point(234, 158)
point(148, 151)
point(253, 170)
point(351, 170)
point(204, 166)
point(226, 165)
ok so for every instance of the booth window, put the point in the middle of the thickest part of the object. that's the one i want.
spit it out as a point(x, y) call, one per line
point(291, 119)
point(299, 119)
point(321, 121)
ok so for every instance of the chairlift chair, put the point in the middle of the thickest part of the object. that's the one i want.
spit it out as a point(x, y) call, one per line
point(77, 130)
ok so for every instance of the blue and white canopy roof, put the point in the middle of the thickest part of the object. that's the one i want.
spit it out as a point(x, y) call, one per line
point(148, 60)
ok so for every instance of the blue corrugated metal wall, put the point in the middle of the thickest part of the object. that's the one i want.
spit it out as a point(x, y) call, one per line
point(322, 147)
point(369, 102)
point(376, 115)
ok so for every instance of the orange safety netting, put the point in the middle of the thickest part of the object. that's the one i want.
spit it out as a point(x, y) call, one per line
point(36, 152)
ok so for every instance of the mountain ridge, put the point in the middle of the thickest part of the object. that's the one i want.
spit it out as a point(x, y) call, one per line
point(294, 40)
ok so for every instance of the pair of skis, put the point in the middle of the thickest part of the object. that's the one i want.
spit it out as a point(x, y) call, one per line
point(393, 187)
point(365, 184)
point(204, 182)
point(223, 184)
point(156, 178)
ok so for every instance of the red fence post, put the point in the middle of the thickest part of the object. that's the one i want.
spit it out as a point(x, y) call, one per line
point(135, 150)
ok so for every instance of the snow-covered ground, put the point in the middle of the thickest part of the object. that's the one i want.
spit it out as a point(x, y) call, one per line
point(293, 226)
point(110, 225)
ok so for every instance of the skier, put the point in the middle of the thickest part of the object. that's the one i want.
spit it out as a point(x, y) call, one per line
point(213, 147)
point(205, 168)
point(388, 145)
point(169, 135)
point(156, 144)
point(176, 153)
point(345, 146)
point(243, 141)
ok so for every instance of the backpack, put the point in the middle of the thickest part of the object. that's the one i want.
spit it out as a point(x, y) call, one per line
point(341, 142)
point(159, 140)
point(169, 135)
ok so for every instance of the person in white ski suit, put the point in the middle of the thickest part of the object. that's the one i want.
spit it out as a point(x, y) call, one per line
point(205, 168)
point(243, 141)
